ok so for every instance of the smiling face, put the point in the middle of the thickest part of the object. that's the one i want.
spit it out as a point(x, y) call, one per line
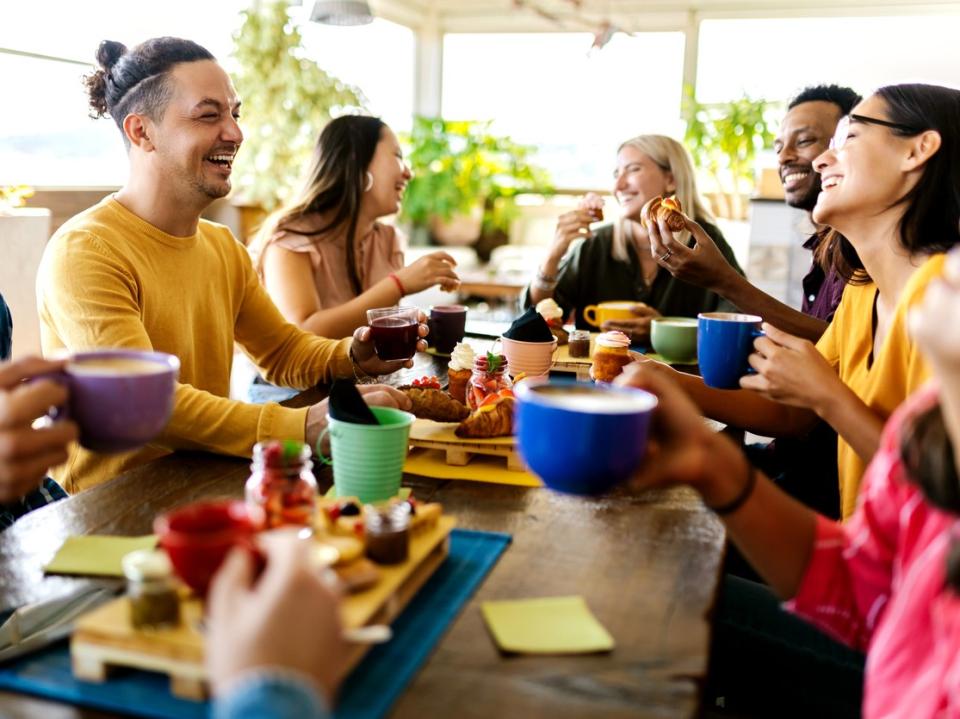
point(390, 177)
point(197, 138)
point(638, 179)
point(804, 134)
point(868, 175)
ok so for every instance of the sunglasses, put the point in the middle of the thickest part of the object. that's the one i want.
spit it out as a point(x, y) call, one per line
point(843, 128)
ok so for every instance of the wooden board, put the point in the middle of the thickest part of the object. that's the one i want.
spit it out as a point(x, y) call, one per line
point(440, 435)
point(104, 638)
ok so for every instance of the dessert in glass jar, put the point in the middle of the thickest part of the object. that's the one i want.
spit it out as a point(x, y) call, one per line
point(282, 483)
point(459, 371)
point(489, 377)
point(611, 354)
point(579, 344)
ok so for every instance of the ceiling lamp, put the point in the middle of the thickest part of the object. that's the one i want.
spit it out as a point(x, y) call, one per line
point(341, 12)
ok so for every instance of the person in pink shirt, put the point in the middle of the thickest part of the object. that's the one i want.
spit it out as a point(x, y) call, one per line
point(325, 258)
point(887, 582)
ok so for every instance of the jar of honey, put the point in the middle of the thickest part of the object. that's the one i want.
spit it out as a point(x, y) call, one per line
point(611, 354)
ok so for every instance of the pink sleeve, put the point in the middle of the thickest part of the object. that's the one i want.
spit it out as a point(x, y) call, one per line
point(847, 583)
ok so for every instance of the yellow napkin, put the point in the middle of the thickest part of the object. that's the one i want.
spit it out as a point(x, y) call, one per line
point(551, 625)
point(96, 555)
point(480, 468)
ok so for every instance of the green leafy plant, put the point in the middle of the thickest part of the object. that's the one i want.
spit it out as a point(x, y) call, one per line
point(724, 138)
point(459, 165)
point(287, 99)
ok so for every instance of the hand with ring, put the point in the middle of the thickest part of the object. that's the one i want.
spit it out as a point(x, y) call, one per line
point(702, 265)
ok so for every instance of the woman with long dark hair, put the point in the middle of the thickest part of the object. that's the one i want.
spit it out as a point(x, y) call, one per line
point(890, 186)
point(886, 582)
point(325, 258)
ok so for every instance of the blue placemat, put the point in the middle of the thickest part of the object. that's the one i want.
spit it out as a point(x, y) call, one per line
point(369, 691)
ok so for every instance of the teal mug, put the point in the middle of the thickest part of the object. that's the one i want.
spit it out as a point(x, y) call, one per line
point(368, 459)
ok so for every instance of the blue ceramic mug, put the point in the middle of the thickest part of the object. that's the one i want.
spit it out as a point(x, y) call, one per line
point(582, 438)
point(724, 342)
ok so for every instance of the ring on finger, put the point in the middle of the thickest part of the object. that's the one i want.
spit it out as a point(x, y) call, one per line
point(665, 256)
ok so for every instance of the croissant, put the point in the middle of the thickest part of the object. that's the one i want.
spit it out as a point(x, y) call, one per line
point(435, 404)
point(492, 420)
point(667, 209)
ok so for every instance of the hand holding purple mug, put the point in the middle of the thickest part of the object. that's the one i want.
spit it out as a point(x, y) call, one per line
point(119, 398)
point(27, 453)
point(364, 354)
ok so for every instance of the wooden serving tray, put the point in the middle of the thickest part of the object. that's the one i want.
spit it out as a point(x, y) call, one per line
point(105, 638)
point(440, 435)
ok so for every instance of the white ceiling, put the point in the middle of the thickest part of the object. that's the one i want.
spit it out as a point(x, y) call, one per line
point(629, 15)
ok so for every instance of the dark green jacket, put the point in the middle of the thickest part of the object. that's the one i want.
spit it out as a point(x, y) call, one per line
point(589, 275)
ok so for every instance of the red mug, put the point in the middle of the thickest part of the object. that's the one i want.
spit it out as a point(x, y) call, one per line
point(199, 536)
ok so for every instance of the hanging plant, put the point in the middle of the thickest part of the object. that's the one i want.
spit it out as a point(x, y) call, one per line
point(287, 99)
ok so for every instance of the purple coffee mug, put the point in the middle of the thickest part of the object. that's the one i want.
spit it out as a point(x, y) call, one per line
point(120, 399)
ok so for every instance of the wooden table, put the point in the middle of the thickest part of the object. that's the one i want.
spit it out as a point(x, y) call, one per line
point(647, 565)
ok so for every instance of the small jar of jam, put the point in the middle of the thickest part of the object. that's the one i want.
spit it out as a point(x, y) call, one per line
point(282, 484)
point(579, 343)
point(386, 533)
point(151, 589)
point(489, 377)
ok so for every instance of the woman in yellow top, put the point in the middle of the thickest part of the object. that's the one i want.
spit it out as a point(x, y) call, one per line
point(891, 186)
point(324, 257)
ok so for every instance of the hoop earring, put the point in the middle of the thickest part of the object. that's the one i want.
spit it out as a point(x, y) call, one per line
point(369, 185)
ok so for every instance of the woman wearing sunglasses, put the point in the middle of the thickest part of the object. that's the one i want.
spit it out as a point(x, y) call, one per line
point(891, 187)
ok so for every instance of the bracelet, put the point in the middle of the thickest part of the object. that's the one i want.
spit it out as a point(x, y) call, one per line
point(403, 291)
point(365, 378)
point(734, 504)
point(546, 279)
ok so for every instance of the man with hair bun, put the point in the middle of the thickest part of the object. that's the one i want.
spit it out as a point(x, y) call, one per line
point(141, 270)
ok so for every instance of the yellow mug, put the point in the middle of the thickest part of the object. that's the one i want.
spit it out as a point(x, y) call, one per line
point(596, 315)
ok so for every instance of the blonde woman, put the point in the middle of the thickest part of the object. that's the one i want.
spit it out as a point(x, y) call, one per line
point(324, 258)
point(614, 262)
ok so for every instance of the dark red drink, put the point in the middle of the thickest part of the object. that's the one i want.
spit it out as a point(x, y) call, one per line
point(394, 338)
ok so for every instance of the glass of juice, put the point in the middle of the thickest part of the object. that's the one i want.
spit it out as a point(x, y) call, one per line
point(394, 331)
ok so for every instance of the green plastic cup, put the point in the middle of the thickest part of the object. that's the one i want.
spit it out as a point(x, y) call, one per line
point(368, 459)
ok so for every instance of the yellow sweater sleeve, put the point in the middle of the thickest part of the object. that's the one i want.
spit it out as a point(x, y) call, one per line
point(286, 355)
point(89, 299)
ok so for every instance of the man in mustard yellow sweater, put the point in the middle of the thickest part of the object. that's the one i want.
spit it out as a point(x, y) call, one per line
point(142, 270)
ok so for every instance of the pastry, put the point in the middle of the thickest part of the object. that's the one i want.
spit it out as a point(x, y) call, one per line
point(667, 210)
point(553, 314)
point(493, 418)
point(459, 371)
point(435, 404)
point(610, 355)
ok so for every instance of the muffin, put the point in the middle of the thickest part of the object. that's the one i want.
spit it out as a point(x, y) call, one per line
point(459, 371)
point(553, 314)
point(610, 355)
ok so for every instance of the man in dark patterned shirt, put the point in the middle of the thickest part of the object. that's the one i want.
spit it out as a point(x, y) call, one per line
point(805, 467)
point(27, 453)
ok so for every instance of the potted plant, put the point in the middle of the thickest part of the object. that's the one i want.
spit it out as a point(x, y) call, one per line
point(724, 139)
point(465, 179)
point(287, 99)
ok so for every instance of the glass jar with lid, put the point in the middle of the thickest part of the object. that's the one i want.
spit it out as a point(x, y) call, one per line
point(151, 589)
point(489, 377)
point(282, 484)
point(386, 532)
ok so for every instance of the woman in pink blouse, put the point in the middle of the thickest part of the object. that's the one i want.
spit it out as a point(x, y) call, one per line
point(887, 582)
point(324, 257)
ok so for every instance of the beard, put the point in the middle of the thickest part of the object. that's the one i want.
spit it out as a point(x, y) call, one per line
point(808, 200)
